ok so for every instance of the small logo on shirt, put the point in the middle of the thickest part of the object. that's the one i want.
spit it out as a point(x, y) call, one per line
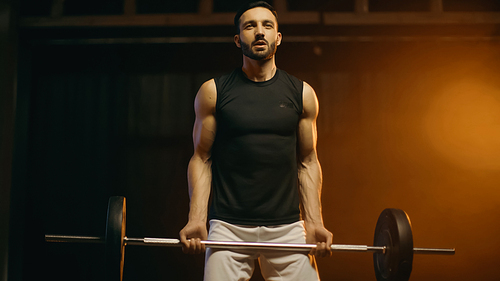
point(286, 104)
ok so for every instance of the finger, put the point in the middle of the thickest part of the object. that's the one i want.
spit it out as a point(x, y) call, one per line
point(321, 249)
point(184, 242)
point(326, 250)
point(329, 242)
point(198, 247)
point(329, 239)
point(192, 246)
point(202, 248)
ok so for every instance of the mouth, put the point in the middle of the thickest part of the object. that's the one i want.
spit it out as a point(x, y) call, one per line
point(260, 43)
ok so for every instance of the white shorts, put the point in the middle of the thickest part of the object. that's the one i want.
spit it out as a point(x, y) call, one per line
point(238, 265)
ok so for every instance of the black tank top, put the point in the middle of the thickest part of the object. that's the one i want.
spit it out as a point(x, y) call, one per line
point(254, 159)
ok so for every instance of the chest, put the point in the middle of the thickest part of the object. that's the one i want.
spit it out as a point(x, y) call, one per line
point(250, 109)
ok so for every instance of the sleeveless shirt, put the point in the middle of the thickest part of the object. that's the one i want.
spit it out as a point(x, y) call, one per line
point(254, 154)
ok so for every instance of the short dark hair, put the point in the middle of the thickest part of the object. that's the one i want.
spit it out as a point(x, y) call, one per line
point(250, 5)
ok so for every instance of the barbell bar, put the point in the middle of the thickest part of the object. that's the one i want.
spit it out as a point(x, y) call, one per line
point(392, 251)
point(173, 242)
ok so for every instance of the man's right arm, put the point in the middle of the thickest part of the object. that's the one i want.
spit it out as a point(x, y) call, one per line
point(199, 169)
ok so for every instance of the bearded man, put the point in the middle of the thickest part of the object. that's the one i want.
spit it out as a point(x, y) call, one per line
point(255, 156)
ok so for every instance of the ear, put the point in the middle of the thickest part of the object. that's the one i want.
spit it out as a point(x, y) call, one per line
point(237, 40)
point(278, 38)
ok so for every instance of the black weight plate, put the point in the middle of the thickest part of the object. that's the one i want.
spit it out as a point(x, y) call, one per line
point(115, 232)
point(393, 230)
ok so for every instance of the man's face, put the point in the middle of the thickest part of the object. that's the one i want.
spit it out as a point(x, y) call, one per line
point(259, 36)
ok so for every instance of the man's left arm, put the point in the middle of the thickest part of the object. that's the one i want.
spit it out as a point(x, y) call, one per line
point(310, 176)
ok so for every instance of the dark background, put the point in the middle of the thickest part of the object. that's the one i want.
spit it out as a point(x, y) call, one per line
point(406, 123)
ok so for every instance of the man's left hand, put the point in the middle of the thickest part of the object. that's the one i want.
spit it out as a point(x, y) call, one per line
point(319, 235)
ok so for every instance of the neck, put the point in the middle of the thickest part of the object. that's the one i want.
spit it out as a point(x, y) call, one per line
point(259, 71)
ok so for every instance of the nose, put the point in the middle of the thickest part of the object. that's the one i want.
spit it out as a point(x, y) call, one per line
point(259, 31)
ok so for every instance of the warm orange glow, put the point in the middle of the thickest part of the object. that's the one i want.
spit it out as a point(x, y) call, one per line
point(463, 124)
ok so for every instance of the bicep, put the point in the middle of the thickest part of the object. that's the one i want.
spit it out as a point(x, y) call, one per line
point(205, 124)
point(307, 132)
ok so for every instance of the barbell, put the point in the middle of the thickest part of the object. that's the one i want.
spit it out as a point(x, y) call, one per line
point(392, 250)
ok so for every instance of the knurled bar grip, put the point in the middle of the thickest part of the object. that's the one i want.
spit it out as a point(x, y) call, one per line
point(166, 242)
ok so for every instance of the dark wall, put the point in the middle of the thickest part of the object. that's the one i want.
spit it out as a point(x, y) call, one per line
point(411, 125)
point(8, 68)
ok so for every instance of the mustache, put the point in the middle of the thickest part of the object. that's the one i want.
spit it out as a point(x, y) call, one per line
point(260, 38)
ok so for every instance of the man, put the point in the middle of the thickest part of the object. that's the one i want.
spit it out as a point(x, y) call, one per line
point(255, 155)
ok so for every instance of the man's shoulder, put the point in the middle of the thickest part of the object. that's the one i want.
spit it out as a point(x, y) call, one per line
point(286, 74)
point(228, 75)
point(293, 80)
point(228, 79)
point(207, 86)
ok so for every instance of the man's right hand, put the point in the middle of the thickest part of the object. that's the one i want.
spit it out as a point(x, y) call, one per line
point(191, 236)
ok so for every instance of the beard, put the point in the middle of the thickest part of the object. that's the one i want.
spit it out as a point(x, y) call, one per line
point(259, 55)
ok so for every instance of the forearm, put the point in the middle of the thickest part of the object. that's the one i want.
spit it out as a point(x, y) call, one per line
point(199, 181)
point(310, 184)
